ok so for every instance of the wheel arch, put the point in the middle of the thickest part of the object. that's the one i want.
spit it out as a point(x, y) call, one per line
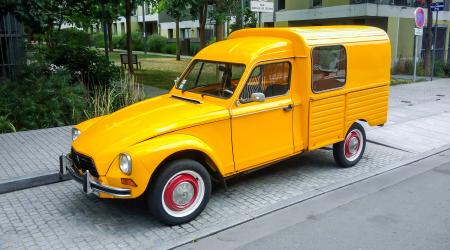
point(193, 154)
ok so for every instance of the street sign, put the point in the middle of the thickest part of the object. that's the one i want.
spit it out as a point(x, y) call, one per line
point(437, 6)
point(418, 31)
point(419, 16)
point(261, 6)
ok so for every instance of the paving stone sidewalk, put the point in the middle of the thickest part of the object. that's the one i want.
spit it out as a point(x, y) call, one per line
point(61, 216)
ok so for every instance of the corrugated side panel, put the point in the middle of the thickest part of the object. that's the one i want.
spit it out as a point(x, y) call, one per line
point(370, 105)
point(326, 121)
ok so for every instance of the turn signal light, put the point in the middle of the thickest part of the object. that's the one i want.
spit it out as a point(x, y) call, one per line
point(127, 181)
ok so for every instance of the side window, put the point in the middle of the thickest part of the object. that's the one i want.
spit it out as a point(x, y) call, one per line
point(271, 79)
point(329, 67)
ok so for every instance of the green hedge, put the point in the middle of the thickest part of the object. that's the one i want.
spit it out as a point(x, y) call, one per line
point(41, 101)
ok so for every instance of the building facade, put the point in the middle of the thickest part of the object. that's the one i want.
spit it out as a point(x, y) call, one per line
point(396, 17)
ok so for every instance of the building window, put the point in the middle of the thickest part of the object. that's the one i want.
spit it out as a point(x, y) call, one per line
point(122, 28)
point(271, 79)
point(170, 33)
point(281, 5)
point(316, 3)
point(329, 67)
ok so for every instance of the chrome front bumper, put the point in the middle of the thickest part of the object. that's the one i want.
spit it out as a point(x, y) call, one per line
point(89, 183)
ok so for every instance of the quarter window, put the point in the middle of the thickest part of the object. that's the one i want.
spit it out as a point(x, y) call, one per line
point(329, 68)
point(270, 79)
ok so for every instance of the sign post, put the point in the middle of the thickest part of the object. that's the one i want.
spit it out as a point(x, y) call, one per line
point(261, 6)
point(435, 7)
point(419, 17)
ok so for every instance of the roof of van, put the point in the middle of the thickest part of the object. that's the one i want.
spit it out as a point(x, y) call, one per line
point(246, 44)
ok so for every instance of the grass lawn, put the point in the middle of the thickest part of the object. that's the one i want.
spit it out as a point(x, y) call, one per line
point(398, 81)
point(157, 70)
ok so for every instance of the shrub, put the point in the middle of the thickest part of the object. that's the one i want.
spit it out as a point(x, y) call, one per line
point(170, 48)
point(97, 40)
point(116, 41)
point(439, 68)
point(40, 102)
point(195, 48)
point(136, 39)
point(103, 101)
point(5, 125)
point(84, 64)
point(71, 36)
point(156, 43)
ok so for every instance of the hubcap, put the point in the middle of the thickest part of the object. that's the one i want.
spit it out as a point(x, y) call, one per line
point(353, 145)
point(183, 193)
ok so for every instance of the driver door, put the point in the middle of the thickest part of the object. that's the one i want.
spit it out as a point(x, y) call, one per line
point(262, 129)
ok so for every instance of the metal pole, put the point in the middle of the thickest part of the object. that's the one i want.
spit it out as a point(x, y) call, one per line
point(434, 44)
point(105, 31)
point(260, 21)
point(144, 28)
point(415, 58)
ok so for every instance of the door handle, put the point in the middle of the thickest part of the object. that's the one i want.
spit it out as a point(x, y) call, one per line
point(288, 108)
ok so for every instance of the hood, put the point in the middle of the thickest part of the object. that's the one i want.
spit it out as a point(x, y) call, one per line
point(108, 137)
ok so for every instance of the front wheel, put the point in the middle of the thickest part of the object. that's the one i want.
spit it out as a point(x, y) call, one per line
point(348, 152)
point(180, 192)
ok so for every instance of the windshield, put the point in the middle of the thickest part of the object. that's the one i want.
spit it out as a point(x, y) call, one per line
point(217, 79)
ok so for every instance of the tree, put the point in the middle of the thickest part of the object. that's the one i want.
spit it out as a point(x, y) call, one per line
point(199, 11)
point(429, 41)
point(176, 9)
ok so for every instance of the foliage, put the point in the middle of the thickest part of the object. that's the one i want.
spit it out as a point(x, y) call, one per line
point(40, 101)
point(5, 125)
point(195, 48)
point(170, 48)
point(156, 43)
point(121, 93)
point(439, 68)
point(406, 67)
point(84, 65)
point(71, 36)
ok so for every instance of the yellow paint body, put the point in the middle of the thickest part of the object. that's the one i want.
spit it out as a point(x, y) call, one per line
point(236, 138)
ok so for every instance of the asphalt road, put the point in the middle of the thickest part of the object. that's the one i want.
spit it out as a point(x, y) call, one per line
point(407, 208)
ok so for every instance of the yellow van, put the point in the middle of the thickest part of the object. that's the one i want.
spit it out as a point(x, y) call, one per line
point(261, 96)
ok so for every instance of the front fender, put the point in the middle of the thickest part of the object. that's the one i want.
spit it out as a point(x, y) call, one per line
point(82, 126)
point(148, 155)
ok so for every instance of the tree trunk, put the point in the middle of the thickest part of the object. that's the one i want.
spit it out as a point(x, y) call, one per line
point(429, 42)
point(220, 30)
point(202, 16)
point(110, 36)
point(177, 33)
point(220, 25)
point(128, 21)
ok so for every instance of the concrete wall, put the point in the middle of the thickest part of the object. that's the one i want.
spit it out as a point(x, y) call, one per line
point(297, 4)
point(329, 3)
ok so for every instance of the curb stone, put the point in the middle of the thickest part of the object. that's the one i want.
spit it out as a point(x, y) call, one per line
point(29, 181)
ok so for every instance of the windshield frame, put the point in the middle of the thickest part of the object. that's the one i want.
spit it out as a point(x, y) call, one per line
point(191, 67)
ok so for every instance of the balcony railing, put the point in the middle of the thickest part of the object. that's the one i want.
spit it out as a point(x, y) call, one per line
point(406, 3)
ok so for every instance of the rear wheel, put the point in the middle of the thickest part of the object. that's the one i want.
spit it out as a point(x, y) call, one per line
point(180, 192)
point(348, 152)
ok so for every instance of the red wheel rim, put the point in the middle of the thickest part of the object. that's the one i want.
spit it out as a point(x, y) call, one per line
point(181, 192)
point(352, 144)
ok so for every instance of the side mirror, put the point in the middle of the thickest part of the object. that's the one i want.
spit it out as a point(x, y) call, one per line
point(257, 97)
point(176, 80)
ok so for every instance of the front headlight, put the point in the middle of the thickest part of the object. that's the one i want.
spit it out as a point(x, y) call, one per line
point(125, 163)
point(75, 134)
